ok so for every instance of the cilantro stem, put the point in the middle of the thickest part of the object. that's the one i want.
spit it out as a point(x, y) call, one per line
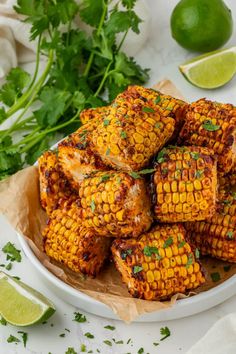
point(26, 95)
point(91, 57)
point(37, 62)
point(103, 79)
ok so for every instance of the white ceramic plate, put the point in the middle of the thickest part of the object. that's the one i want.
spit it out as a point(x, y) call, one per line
point(182, 308)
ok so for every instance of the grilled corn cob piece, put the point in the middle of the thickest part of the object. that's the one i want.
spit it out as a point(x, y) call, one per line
point(212, 125)
point(216, 236)
point(114, 203)
point(185, 184)
point(158, 264)
point(53, 184)
point(131, 133)
point(76, 157)
point(227, 181)
point(67, 241)
point(172, 107)
point(92, 113)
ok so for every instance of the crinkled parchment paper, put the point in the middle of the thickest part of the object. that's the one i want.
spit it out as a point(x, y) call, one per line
point(19, 202)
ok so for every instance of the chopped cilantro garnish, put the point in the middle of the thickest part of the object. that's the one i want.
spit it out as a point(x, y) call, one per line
point(3, 322)
point(12, 339)
point(156, 344)
point(190, 260)
point(141, 351)
point(105, 178)
point(147, 171)
point(66, 329)
point(118, 341)
point(149, 250)
point(164, 331)
point(108, 151)
point(12, 252)
point(158, 125)
point(9, 266)
point(107, 342)
point(106, 122)
point(148, 110)
point(93, 206)
point(227, 268)
point(83, 348)
point(79, 317)
point(125, 253)
point(62, 335)
point(161, 156)
point(199, 173)
point(195, 155)
point(135, 175)
point(197, 253)
point(168, 242)
point(71, 350)
point(181, 244)
point(128, 341)
point(157, 100)
point(137, 269)
point(164, 171)
point(123, 135)
point(215, 277)
point(230, 234)
point(209, 126)
point(24, 337)
point(89, 335)
point(111, 328)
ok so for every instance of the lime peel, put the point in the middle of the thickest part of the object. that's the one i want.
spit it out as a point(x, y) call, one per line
point(20, 304)
point(211, 70)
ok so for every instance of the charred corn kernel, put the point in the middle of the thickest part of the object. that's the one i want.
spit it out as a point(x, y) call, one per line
point(87, 115)
point(194, 196)
point(216, 236)
point(212, 125)
point(118, 201)
point(130, 145)
point(53, 184)
point(150, 271)
point(76, 158)
point(74, 245)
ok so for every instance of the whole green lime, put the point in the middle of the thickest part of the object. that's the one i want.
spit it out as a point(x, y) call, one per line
point(201, 25)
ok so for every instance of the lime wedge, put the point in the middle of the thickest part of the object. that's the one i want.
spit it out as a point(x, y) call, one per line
point(211, 70)
point(21, 305)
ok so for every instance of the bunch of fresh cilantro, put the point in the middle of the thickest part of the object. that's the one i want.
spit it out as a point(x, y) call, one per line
point(82, 71)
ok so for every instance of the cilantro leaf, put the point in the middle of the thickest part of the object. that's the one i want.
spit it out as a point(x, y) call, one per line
point(91, 11)
point(208, 125)
point(137, 269)
point(107, 342)
point(3, 322)
point(70, 350)
point(164, 331)
point(168, 242)
point(24, 337)
point(79, 317)
point(111, 328)
point(12, 252)
point(12, 339)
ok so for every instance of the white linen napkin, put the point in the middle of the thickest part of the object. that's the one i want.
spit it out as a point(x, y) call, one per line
point(220, 339)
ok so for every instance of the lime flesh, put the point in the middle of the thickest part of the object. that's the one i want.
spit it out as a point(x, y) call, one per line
point(21, 305)
point(211, 70)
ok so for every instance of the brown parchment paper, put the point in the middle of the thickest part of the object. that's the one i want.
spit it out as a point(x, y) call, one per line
point(19, 202)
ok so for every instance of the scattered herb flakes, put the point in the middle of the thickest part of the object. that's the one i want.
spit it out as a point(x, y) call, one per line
point(195, 155)
point(9, 266)
point(106, 122)
point(66, 329)
point(161, 156)
point(93, 206)
point(149, 250)
point(158, 125)
point(230, 234)
point(164, 331)
point(13, 339)
point(107, 342)
point(158, 99)
point(190, 260)
point(148, 109)
point(44, 322)
point(89, 335)
point(147, 171)
point(215, 277)
point(209, 126)
point(197, 253)
point(199, 173)
point(128, 341)
point(3, 322)
point(226, 202)
point(2, 265)
point(111, 328)
point(98, 351)
point(105, 178)
point(140, 351)
point(79, 317)
point(108, 151)
point(123, 135)
point(83, 348)
point(169, 108)
point(125, 253)
point(156, 344)
point(137, 269)
point(134, 175)
point(12, 252)
point(164, 171)
point(181, 244)
point(168, 242)
point(24, 337)
point(62, 335)
point(227, 268)
point(119, 342)
point(90, 351)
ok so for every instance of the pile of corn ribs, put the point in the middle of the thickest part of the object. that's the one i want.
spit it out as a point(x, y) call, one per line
point(147, 183)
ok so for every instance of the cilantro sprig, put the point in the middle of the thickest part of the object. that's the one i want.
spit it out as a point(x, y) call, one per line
point(80, 67)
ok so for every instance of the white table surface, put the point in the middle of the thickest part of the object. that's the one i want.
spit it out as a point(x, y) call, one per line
point(162, 55)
